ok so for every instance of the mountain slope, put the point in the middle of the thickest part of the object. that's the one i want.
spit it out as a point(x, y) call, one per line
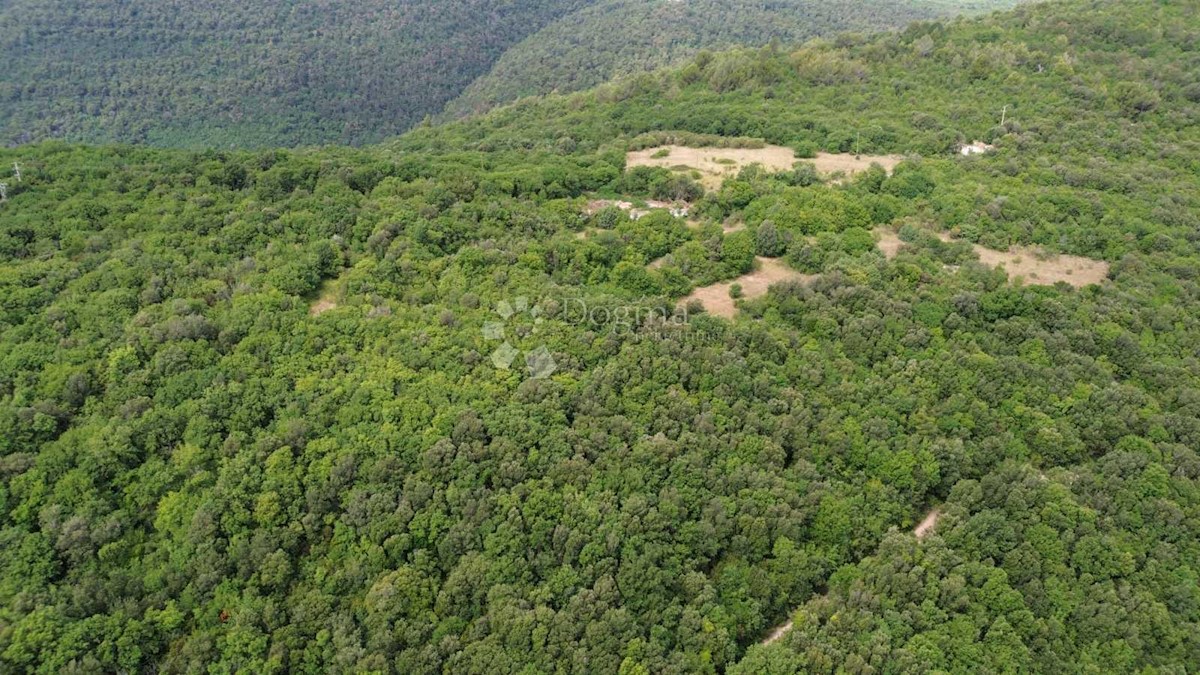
point(262, 72)
point(619, 37)
point(291, 411)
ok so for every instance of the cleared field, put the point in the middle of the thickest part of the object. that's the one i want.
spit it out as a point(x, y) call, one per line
point(714, 164)
point(717, 164)
point(1031, 265)
point(849, 164)
point(1034, 267)
point(716, 300)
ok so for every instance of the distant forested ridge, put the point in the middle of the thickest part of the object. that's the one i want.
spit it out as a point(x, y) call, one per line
point(253, 419)
point(224, 73)
point(613, 38)
point(260, 73)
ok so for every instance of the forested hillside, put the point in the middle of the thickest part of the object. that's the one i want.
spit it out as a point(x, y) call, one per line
point(613, 38)
point(359, 410)
point(234, 73)
point(228, 74)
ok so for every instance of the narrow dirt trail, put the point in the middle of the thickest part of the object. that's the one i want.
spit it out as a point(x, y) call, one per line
point(778, 633)
point(922, 530)
point(925, 527)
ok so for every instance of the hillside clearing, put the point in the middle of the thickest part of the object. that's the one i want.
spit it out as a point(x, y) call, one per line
point(717, 164)
point(326, 300)
point(677, 209)
point(849, 164)
point(716, 300)
point(1027, 264)
point(1036, 267)
point(714, 164)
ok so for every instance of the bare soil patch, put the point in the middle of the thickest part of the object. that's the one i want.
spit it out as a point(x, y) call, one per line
point(850, 164)
point(889, 242)
point(1029, 264)
point(677, 209)
point(716, 300)
point(714, 164)
point(778, 633)
point(717, 164)
point(925, 527)
point(1036, 267)
point(326, 300)
point(596, 205)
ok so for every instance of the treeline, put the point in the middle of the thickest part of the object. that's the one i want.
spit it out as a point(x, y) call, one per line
point(616, 38)
point(226, 74)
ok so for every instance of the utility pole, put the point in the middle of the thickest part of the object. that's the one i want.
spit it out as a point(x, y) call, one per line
point(1003, 115)
point(17, 171)
point(3, 192)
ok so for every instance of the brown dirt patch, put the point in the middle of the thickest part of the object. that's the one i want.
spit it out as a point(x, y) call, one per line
point(321, 306)
point(714, 164)
point(850, 164)
point(327, 300)
point(925, 527)
point(889, 243)
point(716, 300)
point(1036, 268)
point(717, 164)
point(677, 209)
point(596, 205)
point(778, 633)
point(1030, 265)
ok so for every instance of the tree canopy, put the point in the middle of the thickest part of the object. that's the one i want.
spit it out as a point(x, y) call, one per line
point(418, 408)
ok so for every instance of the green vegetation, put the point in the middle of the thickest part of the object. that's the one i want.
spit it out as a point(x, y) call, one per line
point(200, 474)
point(231, 73)
point(612, 38)
point(227, 74)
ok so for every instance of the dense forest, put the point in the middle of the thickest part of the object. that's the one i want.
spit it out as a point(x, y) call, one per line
point(265, 73)
point(613, 38)
point(231, 73)
point(252, 418)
